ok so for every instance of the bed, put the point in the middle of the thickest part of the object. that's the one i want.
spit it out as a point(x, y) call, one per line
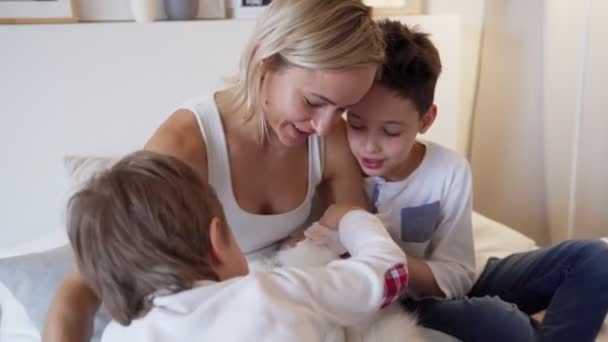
point(492, 239)
point(101, 90)
point(18, 325)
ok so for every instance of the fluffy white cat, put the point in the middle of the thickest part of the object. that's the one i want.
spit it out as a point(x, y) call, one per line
point(391, 324)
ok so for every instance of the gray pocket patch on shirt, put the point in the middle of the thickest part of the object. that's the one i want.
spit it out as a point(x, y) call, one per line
point(419, 223)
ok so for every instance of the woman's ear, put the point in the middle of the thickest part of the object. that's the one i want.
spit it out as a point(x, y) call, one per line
point(427, 119)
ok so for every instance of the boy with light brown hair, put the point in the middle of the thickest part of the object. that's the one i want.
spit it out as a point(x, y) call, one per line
point(151, 239)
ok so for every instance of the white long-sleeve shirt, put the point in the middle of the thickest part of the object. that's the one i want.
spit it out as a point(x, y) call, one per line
point(429, 216)
point(285, 304)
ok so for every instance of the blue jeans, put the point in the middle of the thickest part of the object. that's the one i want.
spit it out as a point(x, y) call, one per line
point(569, 281)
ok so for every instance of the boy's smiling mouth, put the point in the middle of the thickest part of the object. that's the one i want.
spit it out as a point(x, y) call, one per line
point(372, 164)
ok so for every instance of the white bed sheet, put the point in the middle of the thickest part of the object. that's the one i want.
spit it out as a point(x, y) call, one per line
point(492, 239)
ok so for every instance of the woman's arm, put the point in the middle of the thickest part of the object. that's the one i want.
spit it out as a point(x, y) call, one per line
point(70, 317)
point(342, 179)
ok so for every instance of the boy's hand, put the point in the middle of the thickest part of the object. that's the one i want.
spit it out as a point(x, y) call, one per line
point(333, 215)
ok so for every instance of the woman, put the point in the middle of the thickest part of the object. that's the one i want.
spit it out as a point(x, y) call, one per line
point(258, 142)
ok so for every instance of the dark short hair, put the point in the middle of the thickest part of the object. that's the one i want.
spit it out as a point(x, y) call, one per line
point(412, 64)
point(141, 227)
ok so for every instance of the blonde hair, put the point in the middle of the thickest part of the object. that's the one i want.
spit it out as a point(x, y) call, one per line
point(313, 34)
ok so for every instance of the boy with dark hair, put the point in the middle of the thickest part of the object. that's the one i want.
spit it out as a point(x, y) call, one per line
point(151, 240)
point(423, 192)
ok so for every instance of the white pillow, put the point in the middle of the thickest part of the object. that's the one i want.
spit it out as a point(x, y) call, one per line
point(45, 242)
point(82, 168)
point(15, 325)
point(78, 170)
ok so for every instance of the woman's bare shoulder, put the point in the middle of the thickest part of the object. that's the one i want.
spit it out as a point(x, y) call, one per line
point(342, 180)
point(337, 151)
point(180, 136)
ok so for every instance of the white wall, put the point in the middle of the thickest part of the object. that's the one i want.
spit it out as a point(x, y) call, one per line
point(98, 89)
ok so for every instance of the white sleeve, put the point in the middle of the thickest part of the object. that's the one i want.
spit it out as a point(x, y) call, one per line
point(452, 257)
point(347, 291)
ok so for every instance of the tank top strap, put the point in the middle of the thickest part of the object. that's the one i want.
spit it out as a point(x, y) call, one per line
point(210, 123)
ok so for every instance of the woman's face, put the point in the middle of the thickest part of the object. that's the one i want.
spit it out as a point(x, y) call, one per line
point(299, 102)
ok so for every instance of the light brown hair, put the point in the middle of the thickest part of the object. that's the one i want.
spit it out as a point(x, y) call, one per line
point(412, 64)
point(141, 227)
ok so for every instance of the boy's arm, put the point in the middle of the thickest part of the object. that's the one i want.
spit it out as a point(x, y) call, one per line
point(452, 260)
point(422, 279)
point(70, 317)
point(350, 290)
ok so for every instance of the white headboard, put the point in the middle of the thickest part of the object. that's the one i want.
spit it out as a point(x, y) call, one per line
point(102, 89)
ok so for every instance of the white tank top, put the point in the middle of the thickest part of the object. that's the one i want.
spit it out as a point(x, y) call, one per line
point(252, 231)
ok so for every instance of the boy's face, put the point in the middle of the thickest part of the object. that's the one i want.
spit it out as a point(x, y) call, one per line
point(382, 130)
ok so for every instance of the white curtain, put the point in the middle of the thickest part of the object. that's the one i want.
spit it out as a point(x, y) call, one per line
point(539, 149)
point(507, 141)
point(575, 78)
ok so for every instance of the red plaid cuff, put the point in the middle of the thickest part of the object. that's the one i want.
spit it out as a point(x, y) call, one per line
point(395, 284)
